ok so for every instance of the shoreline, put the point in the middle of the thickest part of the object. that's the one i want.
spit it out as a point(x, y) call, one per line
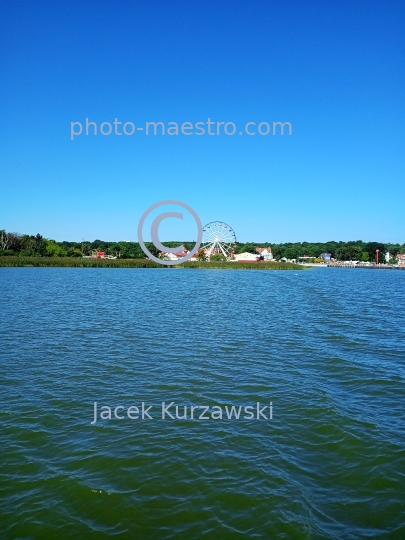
point(367, 267)
point(85, 262)
point(78, 262)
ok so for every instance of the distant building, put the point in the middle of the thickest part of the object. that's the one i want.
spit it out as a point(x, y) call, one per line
point(246, 257)
point(173, 256)
point(97, 254)
point(401, 259)
point(325, 256)
point(265, 252)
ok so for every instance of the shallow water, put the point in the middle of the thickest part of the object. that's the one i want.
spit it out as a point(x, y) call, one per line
point(325, 346)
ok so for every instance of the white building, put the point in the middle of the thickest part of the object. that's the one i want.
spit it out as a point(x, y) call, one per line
point(265, 252)
point(401, 259)
point(173, 256)
point(246, 257)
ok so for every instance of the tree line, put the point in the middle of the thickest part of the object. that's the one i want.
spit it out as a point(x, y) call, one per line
point(38, 246)
point(356, 250)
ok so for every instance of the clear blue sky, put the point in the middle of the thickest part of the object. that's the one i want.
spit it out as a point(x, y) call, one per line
point(335, 70)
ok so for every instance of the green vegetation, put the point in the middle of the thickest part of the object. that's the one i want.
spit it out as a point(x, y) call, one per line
point(355, 250)
point(81, 262)
point(78, 262)
point(38, 246)
point(341, 251)
point(18, 245)
point(218, 257)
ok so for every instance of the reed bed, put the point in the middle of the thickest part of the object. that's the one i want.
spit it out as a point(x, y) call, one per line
point(78, 262)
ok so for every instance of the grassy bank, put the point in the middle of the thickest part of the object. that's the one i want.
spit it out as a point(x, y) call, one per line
point(78, 262)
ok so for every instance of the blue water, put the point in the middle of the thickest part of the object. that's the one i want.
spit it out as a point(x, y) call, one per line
point(326, 347)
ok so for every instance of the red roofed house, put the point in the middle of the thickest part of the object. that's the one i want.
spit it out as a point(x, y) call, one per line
point(173, 256)
point(265, 252)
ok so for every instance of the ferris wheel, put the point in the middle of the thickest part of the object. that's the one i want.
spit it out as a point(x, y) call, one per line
point(218, 239)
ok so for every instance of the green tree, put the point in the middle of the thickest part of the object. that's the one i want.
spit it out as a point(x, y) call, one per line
point(276, 250)
point(85, 247)
point(40, 245)
point(201, 255)
point(350, 253)
point(291, 253)
point(54, 250)
point(249, 247)
point(74, 252)
point(152, 249)
point(4, 240)
point(371, 249)
point(218, 257)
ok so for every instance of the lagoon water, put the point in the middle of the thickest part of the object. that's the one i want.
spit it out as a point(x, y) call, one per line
point(325, 346)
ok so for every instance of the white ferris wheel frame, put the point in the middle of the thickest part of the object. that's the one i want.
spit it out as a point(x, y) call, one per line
point(218, 237)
